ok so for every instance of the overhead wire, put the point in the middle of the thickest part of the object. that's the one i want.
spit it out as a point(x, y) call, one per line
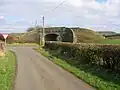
point(56, 7)
point(59, 5)
point(50, 11)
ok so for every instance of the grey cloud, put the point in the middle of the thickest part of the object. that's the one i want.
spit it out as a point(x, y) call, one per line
point(67, 14)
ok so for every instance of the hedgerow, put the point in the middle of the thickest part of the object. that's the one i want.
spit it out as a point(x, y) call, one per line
point(103, 55)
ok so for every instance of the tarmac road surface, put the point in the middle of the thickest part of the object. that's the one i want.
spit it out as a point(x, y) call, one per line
point(35, 72)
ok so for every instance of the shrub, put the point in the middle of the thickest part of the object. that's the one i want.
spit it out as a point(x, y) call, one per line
point(103, 55)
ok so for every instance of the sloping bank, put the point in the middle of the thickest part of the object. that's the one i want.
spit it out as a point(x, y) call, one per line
point(7, 70)
point(92, 68)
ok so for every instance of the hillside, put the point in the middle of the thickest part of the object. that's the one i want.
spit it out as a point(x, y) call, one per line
point(87, 35)
point(16, 34)
point(116, 36)
point(32, 37)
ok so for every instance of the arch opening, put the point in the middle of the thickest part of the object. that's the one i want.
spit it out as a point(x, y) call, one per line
point(51, 37)
point(68, 36)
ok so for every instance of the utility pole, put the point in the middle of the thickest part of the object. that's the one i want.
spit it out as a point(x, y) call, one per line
point(35, 24)
point(43, 33)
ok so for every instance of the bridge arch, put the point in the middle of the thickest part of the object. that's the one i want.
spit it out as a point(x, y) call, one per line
point(63, 34)
point(69, 35)
point(51, 37)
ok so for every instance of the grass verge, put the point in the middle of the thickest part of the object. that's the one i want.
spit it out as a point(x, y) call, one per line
point(92, 79)
point(7, 70)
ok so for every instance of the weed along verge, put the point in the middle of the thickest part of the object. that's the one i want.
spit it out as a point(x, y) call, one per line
point(84, 62)
point(7, 70)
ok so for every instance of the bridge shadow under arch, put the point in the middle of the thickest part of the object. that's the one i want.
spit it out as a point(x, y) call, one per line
point(51, 37)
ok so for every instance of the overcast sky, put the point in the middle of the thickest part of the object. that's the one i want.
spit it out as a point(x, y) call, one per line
point(17, 15)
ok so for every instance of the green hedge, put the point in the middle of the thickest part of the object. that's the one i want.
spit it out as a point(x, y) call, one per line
point(106, 56)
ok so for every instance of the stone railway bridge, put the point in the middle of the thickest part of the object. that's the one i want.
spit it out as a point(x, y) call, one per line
point(62, 34)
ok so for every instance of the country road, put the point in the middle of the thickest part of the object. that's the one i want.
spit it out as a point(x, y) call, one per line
point(35, 72)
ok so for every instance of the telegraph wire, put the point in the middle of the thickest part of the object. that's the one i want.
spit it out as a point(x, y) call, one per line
point(59, 5)
point(56, 7)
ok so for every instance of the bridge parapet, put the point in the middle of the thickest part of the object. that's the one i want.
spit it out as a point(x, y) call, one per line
point(54, 30)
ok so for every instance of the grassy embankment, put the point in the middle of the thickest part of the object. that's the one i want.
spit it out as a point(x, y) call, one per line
point(7, 70)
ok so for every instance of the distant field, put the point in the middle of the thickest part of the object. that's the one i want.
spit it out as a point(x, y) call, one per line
point(110, 41)
point(16, 34)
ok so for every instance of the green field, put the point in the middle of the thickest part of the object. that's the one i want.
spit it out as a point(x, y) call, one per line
point(7, 69)
point(110, 41)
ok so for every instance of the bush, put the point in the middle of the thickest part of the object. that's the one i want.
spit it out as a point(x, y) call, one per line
point(103, 55)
